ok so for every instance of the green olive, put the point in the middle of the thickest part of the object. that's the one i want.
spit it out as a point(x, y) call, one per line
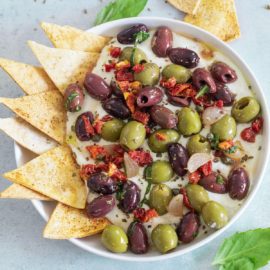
point(197, 196)
point(180, 73)
point(245, 109)
point(198, 144)
point(159, 140)
point(160, 197)
point(161, 171)
point(114, 239)
point(111, 130)
point(138, 57)
point(149, 75)
point(164, 238)
point(189, 122)
point(224, 128)
point(214, 215)
point(132, 135)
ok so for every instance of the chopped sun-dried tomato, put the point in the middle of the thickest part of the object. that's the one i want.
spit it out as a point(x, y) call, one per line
point(123, 85)
point(115, 173)
point(109, 67)
point(206, 169)
point(182, 90)
point(122, 65)
point(106, 118)
point(124, 75)
point(248, 135)
point(204, 101)
point(138, 68)
point(88, 126)
point(135, 86)
point(97, 152)
point(170, 83)
point(89, 169)
point(145, 215)
point(141, 157)
point(130, 101)
point(115, 51)
point(257, 124)
point(194, 177)
point(141, 117)
point(225, 145)
point(97, 125)
point(160, 136)
point(185, 198)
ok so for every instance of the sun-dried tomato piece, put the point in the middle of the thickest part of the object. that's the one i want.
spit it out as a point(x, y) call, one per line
point(144, 215)
point(170, 83)
point(141, 117)
point(194, 177)
point(88, 126)
point(115, 51)
point(97, 152)
point(130, 101)
point(186, 201)
point(248, 135)
point(257, 125)
point(206, 169)
point(204, 101)
point(124, 75)
point(109, 67)
point(160, 136)
point(182, 90)
point(138, 68)
point(219, 103)
point(135, 86)
point(123, 85)
point(225, 145)
point(122, 65)
point(115, 173)
point(106, 118)
point(141, 157)
point(89, 169)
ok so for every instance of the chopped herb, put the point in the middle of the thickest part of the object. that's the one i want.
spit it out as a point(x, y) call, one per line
point(70, 98)
point(199, 109)
point(204, 90)
point(120, 192)
point(232, 149)
point(159, 155)
point(74, 174)
point(259, 148)
point(246, 158)
point(141, 37)
point(214, 140)
point(124, 220)
point(220, 179)
point(144, 200)
point(148, 173)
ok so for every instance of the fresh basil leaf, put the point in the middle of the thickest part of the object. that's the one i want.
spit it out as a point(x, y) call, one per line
point(141, 37)
point(253, 245)
point(119, 9)
point(202, 91)
point(240, 264)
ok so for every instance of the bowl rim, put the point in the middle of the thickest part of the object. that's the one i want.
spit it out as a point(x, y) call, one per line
point(240, 62)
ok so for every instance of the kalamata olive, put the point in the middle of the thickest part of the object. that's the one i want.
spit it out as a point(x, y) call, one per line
point(101, 183)
point(223, 73)
point(96, 86)
point(178, 156)
point(130, 197)
point(116, 89)
point(188, 228)
point(214, 182)
point(73, 97)
point(184, 57)
point(137, 238)
point(223, 93)
point(162, 41)
point(178, 101)
point(81, 130)
point(116, 107)
point(163, 116)
point(127, 36)
point(100, 206)
point(201, 77)
point(238, 183)
point(149, 96)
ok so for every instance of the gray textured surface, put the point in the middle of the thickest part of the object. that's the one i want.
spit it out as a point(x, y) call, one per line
point(21, 243)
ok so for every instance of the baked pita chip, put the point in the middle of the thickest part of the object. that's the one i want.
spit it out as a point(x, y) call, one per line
point(64, 66)
point(31, 79)
point(217, 17)
point(67, 37)
point(45, 111)
point(54, 174)
point(16, 191)
point(187, 6)
point(67, 222)
point(26, 135)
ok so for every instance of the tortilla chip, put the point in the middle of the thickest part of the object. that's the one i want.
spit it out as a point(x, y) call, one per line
point(54, 174)
point(64, 66)
point(16, 191)
point(67, 37)
point(26, 135)
point(187, 6)
point(67, 222)
point(218, 17)
point(45, 111)
point(31, 79)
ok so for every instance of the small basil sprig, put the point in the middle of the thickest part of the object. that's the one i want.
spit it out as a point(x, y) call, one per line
point(120, 9)
point(204, 90)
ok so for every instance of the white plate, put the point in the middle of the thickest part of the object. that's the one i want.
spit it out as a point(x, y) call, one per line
point(92, 244)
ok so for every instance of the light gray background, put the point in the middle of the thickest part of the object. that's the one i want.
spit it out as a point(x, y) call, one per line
point(21, 242)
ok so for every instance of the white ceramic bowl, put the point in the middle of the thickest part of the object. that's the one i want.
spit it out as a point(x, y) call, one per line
point(92, 244)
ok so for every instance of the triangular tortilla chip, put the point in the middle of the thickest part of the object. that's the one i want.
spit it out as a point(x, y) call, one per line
point(187, 6)
point(45, 111)
point(64, 66)
point(67, 222)
point(54, 174)
point(16, 191)
point(218, 17)
point(67, 37)
point(31, 79)
point(26, 135)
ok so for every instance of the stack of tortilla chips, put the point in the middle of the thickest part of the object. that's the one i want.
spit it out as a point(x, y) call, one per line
point(40, 126)
point(215, 16)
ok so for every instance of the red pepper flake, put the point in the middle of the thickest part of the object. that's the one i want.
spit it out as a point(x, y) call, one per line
point(185, 198)
point(168, 84)
point(206, 169)
point(248, 135)
point(124, 75)
point(130, 101)
point(145, 215)
point(109, 67)
point(194, 177)
point(257, 125)
point(138, 68)
point(141, 157)
point(115, 173)
point(183, 90)
point(115, 51)
point(160, 136)
point(219, 103)
point(141, 117)
point(97, 152)
point(88, 126)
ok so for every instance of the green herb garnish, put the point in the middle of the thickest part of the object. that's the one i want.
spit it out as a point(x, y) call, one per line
point(70, 98)
point(120, 9)
point(214, 140)
point(220, 179)
point(148, 173)
point(232, 149)
point(204, 90)
point(144, 200)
